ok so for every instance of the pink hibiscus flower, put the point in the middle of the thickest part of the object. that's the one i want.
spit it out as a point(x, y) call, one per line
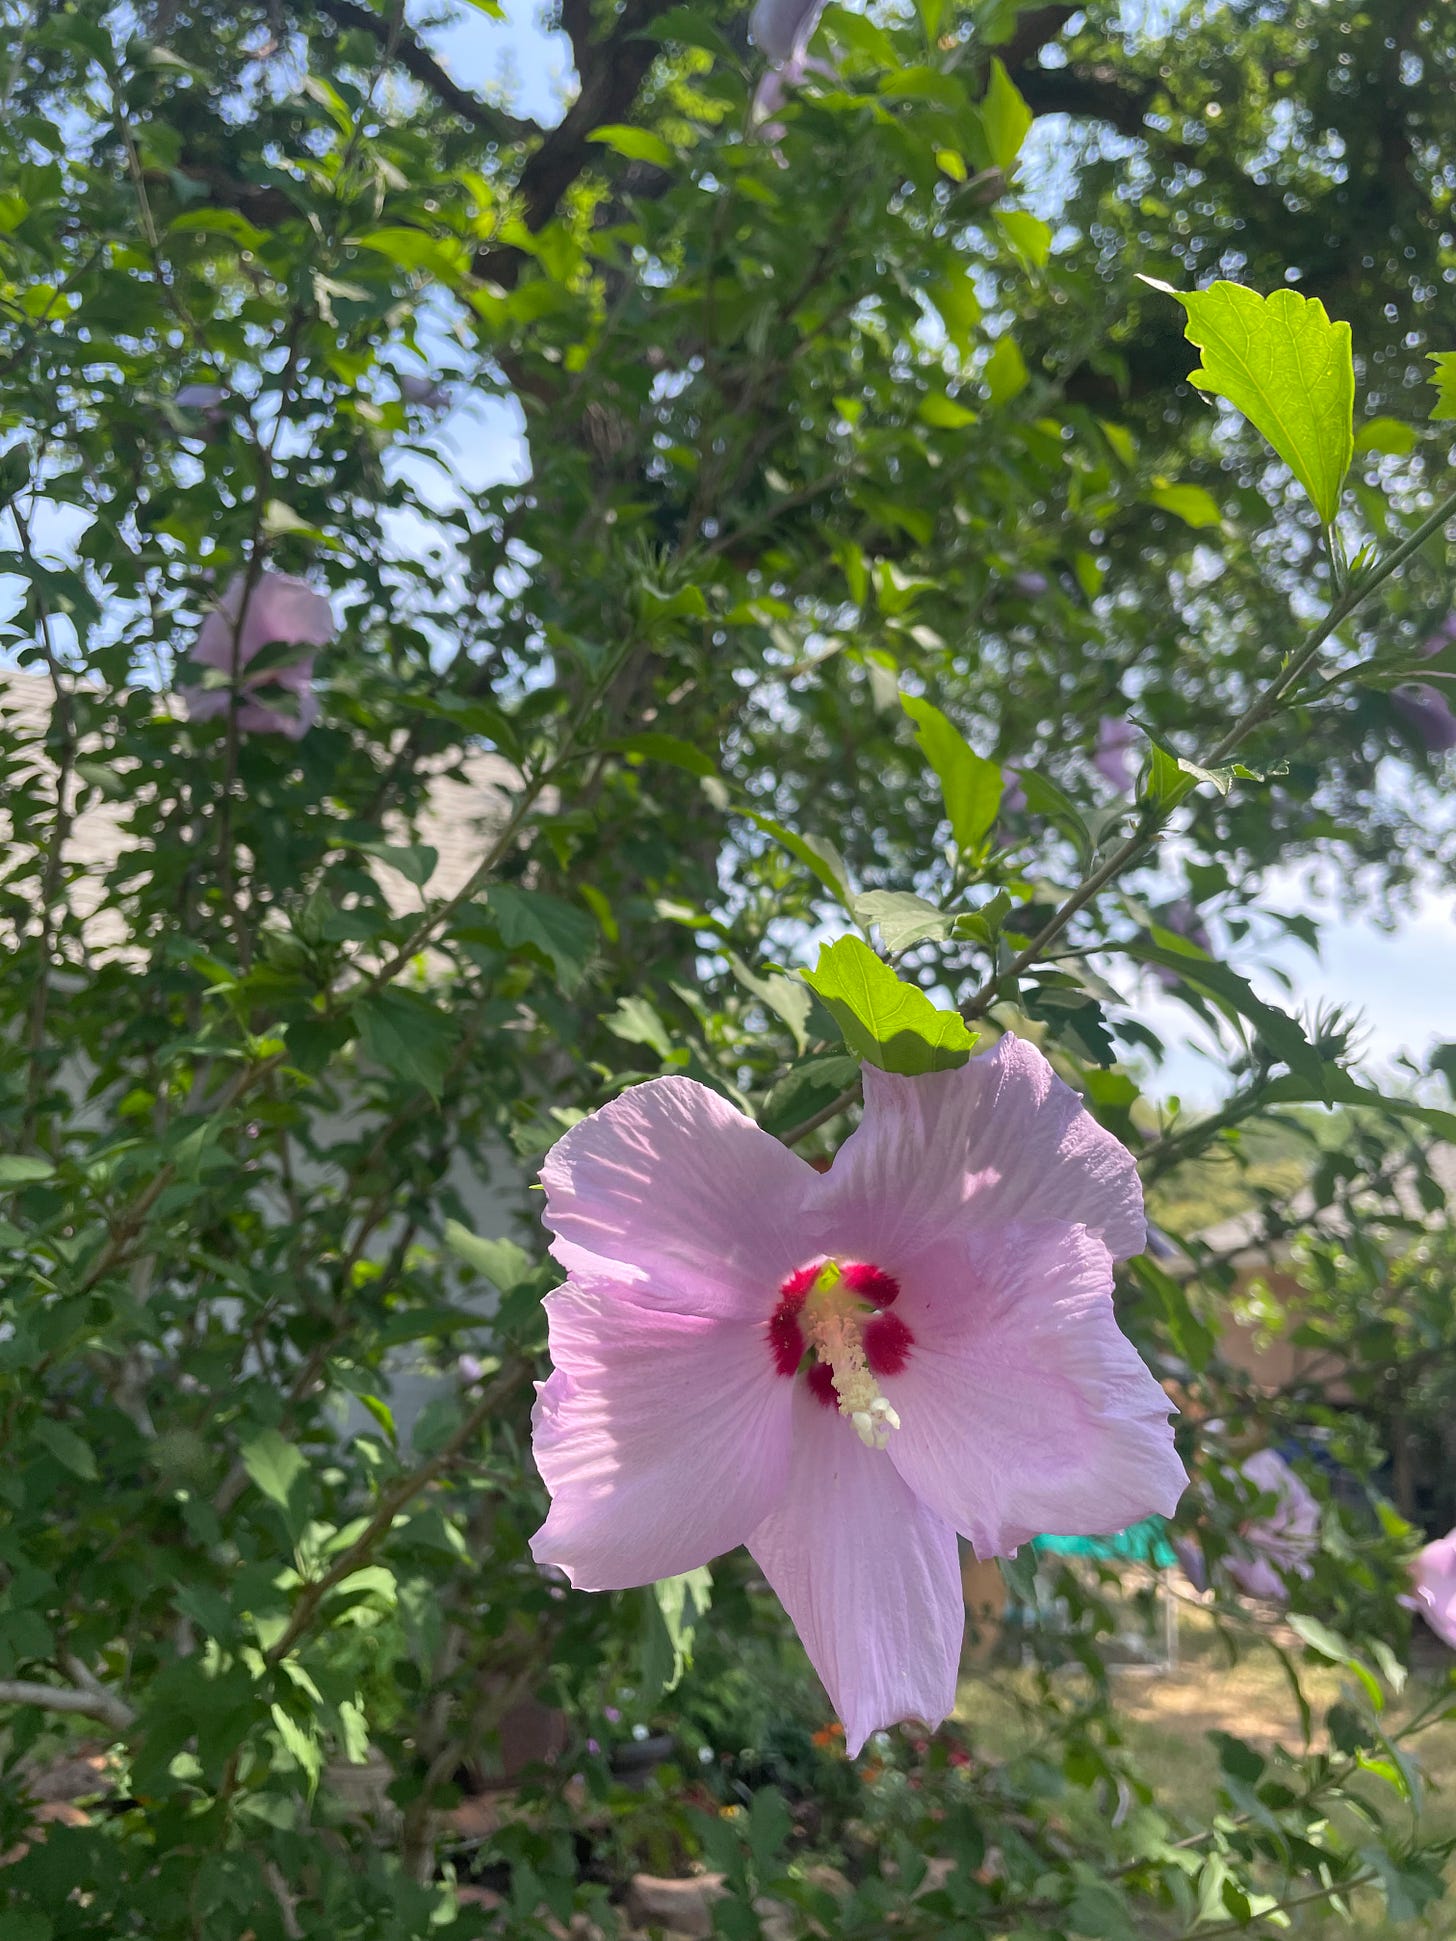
point(1433, 1586)
point(280, 608)
point(1278, 1545)
point(844, 1369)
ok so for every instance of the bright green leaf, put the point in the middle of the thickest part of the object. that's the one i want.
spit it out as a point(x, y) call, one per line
point(637, 144)
point(1190, 503)
point(1445, 383)
point(1005, 118)
point(970, 784)
point(1280, 361)
point(892, 1024)
point(21, 1169)
point(902, 919)
point(1005, 375)
point(502, 1262)
point(637, 1022)
point(274, 1466)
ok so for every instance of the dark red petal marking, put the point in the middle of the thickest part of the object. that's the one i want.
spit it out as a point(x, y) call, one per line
point(887, 1344)
point(871, 1283)
point(798, 1284)
point(786, 1337)
point(821, 1384)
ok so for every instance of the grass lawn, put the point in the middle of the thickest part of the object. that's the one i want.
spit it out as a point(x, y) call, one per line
point(1165, 1718)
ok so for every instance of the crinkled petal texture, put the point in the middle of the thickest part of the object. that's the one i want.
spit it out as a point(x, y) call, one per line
point(1024, 1410)
point(997, 1140)
point(1433, 1580)
point(663, 1438)
point(672, 1190)
point(869, 1576)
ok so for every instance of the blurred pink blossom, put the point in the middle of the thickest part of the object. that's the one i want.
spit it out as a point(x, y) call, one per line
point(1110, 756)
point(844, 1369)
point(279, 608)
point(782, 30)
point(1433, 1586)
point(1425, 709)
point(1279, 1544)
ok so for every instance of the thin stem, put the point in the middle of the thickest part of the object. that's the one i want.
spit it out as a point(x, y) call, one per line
point(389, 1506)
point(1363, 1879)
point(1151, 820)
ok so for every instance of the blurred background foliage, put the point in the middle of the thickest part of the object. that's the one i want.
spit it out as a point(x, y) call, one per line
point(750, 432)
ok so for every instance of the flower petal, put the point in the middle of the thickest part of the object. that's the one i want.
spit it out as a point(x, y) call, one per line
point(671, 1189)
point(1433, 1578)
point(996, 1140)
point(869, 1576)
point(1024, 1410)
point(783, 28)
point(663, 1438)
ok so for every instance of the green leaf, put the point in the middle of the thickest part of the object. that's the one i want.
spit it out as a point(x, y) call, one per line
point(784, 996)
point(806, 1088)
point(637, 144)
point(893, 1025)
point(1445, 383)
point(1027, 234)
point(408, 1035)
point(944, 413)
point(22, 1169)
point(274, 1466)
point(1165, 781)
point(414, 861)
point(1391, 436)
point(959, 307)
point(1005, 118)
point(1280, 361)
point(818, 856)
point(673, 1610)
point(1336, 1086)
point(67, 1448)
point(444, 257)
point(1005, 375)
point(502, 1262)
point(902, 919)
point(1319, 1637)
point(969, 783)
point(637, 1022)
point(1280, 1032)
point(531, 919)
point(1190, 503)
point(667, 748)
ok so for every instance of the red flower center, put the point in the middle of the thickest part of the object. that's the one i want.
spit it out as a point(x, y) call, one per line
point(848, 1323)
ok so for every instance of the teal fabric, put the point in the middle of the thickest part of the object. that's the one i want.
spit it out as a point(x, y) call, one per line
point(1142, 1543)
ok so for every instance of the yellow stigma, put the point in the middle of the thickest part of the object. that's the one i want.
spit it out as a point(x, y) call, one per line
point(833, 1321)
